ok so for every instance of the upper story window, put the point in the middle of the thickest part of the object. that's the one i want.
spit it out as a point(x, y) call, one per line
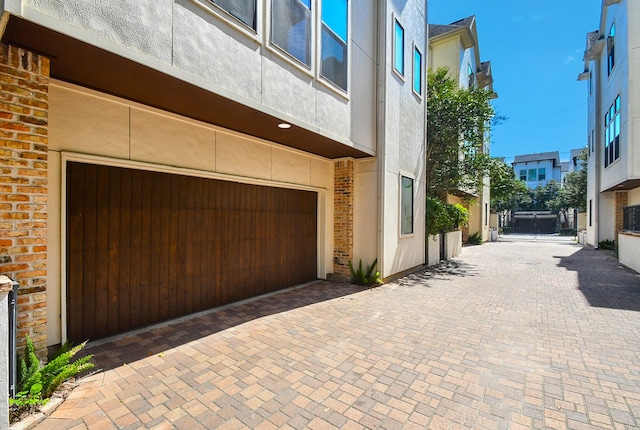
point(612, 133)
point(417, 71)
point(523, 175)
point(243, 10)
point(590, 82)
point(398, 48)
point(611, 51)
point(335, 19)
point(291, 28)
point(470, 76)
point(533, 174)
point(542, 174)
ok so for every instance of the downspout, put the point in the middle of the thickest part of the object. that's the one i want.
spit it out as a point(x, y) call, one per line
point(598, 172)
point(381, 127)
point(424, 122)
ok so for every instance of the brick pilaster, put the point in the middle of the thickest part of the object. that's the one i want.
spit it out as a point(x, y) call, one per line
point(24, 96)
point(343, 199)
point(622, 201)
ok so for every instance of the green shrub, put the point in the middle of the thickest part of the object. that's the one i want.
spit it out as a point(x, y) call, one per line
point(362, 277)
point(37, 383)
point(445, 217)
point(607, 244)
point(475, 239)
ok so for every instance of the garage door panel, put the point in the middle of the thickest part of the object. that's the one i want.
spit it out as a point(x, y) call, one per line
point(144, 247)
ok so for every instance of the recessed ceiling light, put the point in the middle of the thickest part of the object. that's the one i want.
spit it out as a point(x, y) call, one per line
point(284, 125)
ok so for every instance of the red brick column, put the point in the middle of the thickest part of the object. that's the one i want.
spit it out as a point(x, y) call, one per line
point(622, 201)
point(24, 95)
point(343, 198)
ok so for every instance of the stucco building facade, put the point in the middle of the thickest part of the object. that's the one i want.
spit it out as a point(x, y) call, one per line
point(611, 60)
point(162, 158)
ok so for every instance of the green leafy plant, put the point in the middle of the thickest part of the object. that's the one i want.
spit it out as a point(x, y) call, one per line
point(475, 239)
point(362, 277)
point(445, 217)
point(36, 382)
point(607, 244)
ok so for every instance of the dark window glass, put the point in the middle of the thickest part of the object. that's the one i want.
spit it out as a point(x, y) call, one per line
point(291, 28)
point(243, 10)
point(406, 206)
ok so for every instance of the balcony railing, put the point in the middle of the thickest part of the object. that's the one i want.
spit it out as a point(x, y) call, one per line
point(631, 221)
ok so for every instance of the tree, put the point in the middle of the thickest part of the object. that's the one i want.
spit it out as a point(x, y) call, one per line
point(506, 189)
point(457, 124)
point(574, 190)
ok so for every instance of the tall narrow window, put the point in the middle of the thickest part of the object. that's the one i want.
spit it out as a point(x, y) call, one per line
point(398, 48)
point(471, 78)
point(590, 212)
point(611, 49)
point(612, 133)
point(243, 10)
point(417, 71)
point(406, 205)
point(291, 28)
point(335, 19)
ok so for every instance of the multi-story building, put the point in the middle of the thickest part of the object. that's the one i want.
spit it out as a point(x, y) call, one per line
point(538, 169)
point(162, 158)
point(611, 61)
point(455, 47)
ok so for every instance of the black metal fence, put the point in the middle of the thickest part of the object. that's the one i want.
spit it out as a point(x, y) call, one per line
point(631, 220)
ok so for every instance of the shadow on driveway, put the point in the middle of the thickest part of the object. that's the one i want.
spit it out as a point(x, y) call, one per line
point(604, 282)
point(128, 348)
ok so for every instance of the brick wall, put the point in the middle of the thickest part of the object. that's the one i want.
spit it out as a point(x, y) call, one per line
point(24, 85)
point(343, 198)
point(622, 201)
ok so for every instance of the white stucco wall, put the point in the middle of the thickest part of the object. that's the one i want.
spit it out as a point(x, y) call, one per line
point(365, 219)
point(131, 135)
point(404, 119)
point(195, 41)
point(628, 246)
point(433, 243)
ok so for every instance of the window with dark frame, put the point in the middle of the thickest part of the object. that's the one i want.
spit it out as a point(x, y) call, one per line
point(533, 174)
point(291, 28)
point(611, 49)
point(335, 20)
point(523, 175)
point(242, 10)
point(542, 174)
point(406, 205)
point(612, 133)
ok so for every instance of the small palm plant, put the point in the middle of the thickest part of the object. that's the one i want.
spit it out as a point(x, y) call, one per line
point(362, 277)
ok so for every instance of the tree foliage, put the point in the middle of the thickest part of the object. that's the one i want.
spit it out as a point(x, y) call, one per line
point(506, 189)
point(457, 124)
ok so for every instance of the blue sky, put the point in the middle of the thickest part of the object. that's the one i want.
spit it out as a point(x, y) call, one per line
point(535, 48)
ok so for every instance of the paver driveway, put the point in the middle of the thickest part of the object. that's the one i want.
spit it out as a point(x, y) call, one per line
point(511, 335)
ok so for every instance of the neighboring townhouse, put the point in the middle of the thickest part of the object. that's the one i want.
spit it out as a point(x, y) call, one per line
point(611, 62)
point(538, 169)
point(164, 158)
point(455, 47)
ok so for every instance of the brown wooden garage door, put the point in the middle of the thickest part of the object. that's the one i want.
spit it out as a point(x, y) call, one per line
point(144, 247)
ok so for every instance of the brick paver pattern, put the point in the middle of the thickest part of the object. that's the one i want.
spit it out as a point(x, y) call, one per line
point(509, 335)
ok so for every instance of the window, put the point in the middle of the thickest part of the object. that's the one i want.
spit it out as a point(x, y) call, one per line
point(291, 28)
point(593, 140)
point(523, 175)
point(590, 212)
point(590, 82)
point(243, 10)
point(589, 143)
point(612, 133)
point(335, 14)
point(406, 205)
point(470, 76)
point(542, 174)
point(611, 49)
point(533, 174)
point(398, 48)
point(417, 71)
point(486, 214)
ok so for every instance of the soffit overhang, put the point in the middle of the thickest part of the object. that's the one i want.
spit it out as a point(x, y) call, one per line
point(86, 65)
point(625, 185)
